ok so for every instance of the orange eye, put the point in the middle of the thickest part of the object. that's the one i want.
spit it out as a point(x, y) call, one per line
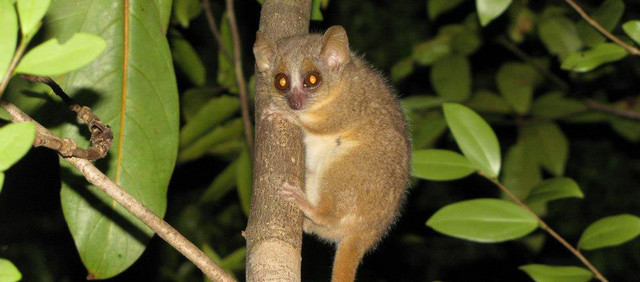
point(281, 81)
point(312, 80)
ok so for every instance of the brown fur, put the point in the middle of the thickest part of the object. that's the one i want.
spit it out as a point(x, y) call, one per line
point(356, 142)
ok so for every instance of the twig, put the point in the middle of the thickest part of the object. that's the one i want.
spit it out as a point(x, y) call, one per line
point(101, 135)
point(206, 6)
point(157, 224)
point(591, 104)
point(546, 227)
point(525, 57)
point(242, 86)
point(14, 63)
point(592, 22)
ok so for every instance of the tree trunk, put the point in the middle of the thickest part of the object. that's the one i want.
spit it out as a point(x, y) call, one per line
point(274, 231)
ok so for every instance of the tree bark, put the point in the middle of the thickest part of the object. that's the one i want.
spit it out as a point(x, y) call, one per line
point(274, 231)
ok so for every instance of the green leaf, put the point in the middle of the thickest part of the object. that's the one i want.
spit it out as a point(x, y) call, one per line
point(214, 112)
point(244, 177)
point(466, 42)
point(426, 131)
point(451, 78)
point(488, 102)
point(192, 101)
point(474, 137)
point(8, 35)
point(520, 171)
point(402, 69)
point(421, 102)
point(516, 82)
point(438, 7)
point(440, 165)
point(219, 134)
point(610, 231)
point(15, 141)
point(188, 61)
point(221, 185)
point(548, 144)
point(53, 58)
point(31, 12)
point(554, 104)
point(559, 35)
point(234, 261)
point(629, 129)
point(428, 52)
point(8, 271)
point(607, 15)
point(584, 61)
point(483, 220)
point(226, 70)
point(632, 29)
point(547, 273)
point(488, 10)
point(132, 87)
point(316, 14)
point(554, 189)
point(1, 180)
point(186, 10)
point(164, 10)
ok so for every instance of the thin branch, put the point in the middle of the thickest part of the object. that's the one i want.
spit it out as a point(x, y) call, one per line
point(242, 86)
point(101, 135)
point(157, 224)
point(546, 227)
point(592, 22)
point(591, 104)
point(206, 6)
point(526, 58)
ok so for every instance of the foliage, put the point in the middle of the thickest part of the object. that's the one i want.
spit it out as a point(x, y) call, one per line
point(526, 94)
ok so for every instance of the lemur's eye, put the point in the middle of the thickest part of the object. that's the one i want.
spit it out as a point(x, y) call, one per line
point(312, 80)
point(281, 81)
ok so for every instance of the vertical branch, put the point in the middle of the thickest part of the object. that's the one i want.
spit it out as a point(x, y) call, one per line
point(274, 231)
point(242, 86)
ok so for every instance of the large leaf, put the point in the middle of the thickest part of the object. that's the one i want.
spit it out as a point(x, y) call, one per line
point(548, 144)
point(607, 15)
point(15, 141)
point(488, 10)
point(610, 231)
point(440, 165)
point(483, 220)
point(585, 61)
point(8, 35)
point(475, 138)
point(554, 189)
point(131, 87)
point(451, 78)
point(547, 273)
point(516, 82)
point(9, 272)
point(31, 12)
point(559, 35)
point(52, 58)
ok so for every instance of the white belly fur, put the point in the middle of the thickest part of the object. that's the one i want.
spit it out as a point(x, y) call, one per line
point(321, 151)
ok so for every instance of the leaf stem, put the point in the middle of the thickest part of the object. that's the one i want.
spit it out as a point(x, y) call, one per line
point(14, 63)
point(546, 228)
point(596, 25)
